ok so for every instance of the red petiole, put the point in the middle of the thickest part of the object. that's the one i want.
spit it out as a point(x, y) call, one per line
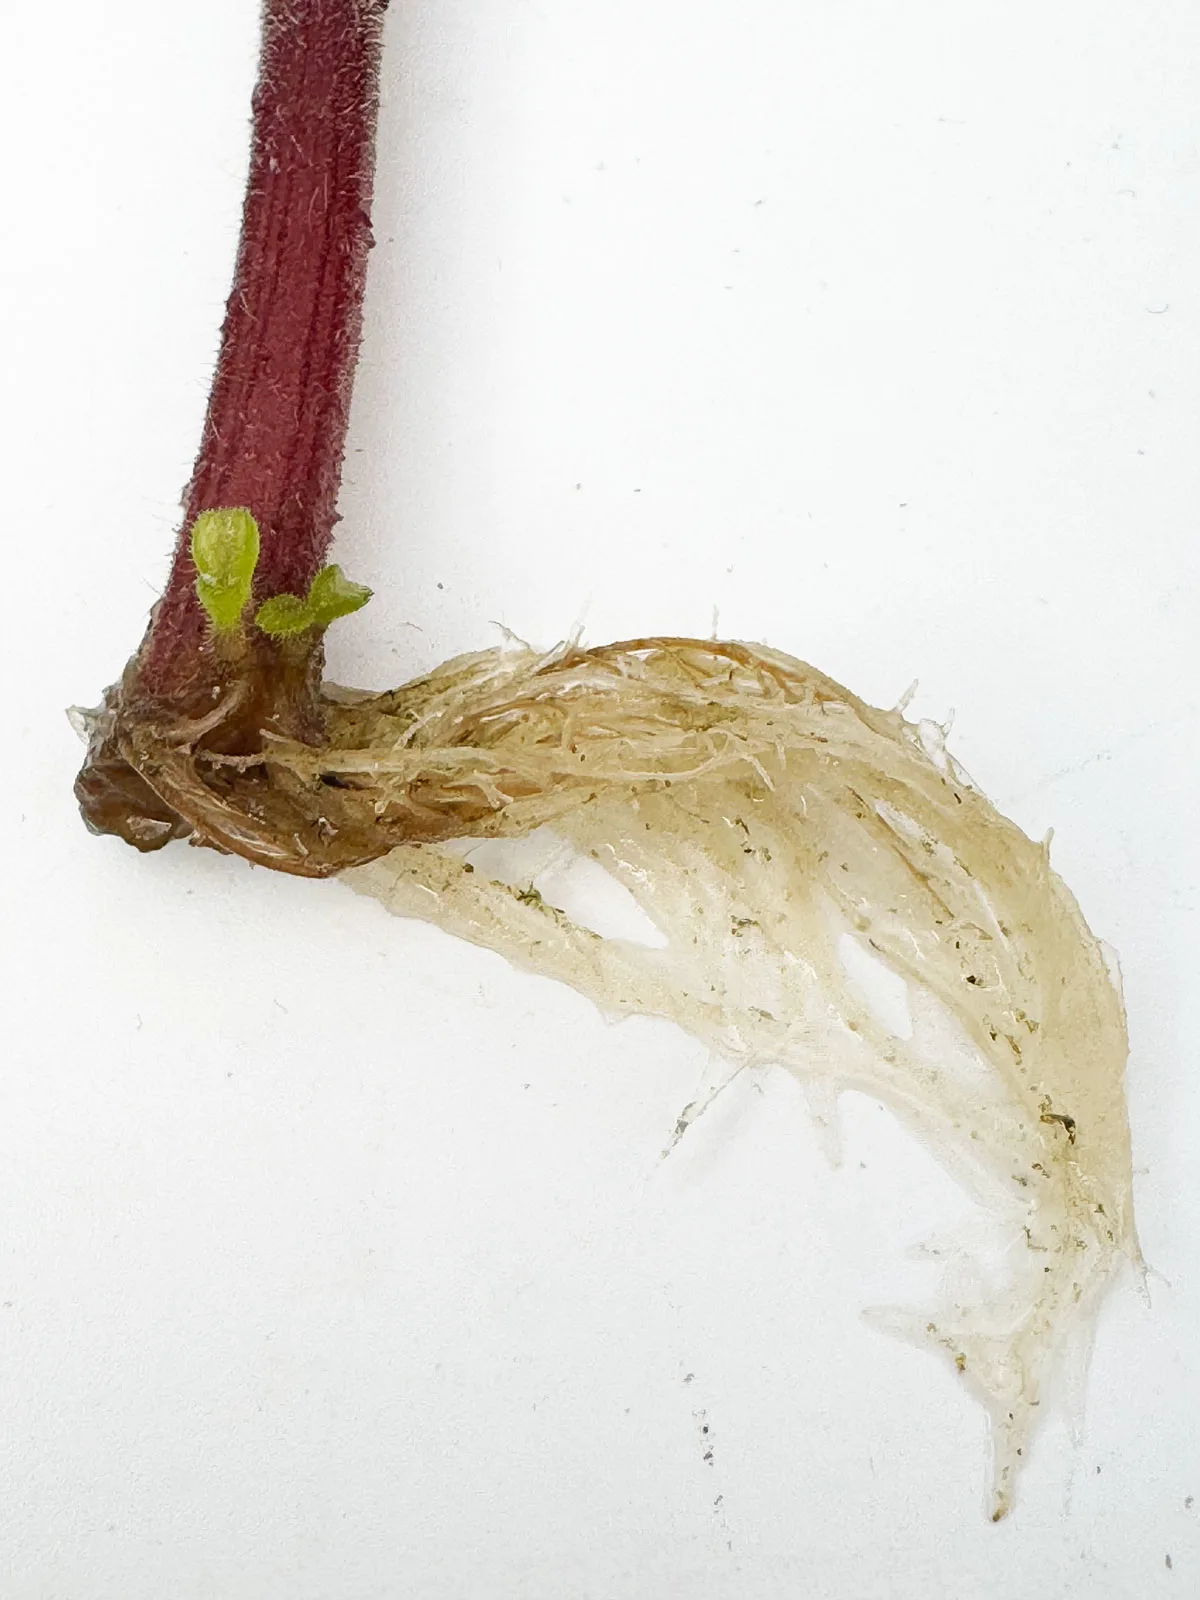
point(275, 428)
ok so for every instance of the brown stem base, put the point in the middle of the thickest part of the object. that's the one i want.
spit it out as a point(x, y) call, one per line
point(159, 769)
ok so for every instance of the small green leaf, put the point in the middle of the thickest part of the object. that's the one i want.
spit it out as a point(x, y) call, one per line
point(225, 552)
point(332, 595)
point(283, 615)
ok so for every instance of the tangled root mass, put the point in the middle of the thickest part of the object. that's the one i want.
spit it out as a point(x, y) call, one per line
point(760, 814)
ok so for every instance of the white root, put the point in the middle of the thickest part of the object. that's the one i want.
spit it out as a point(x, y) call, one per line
point(758, 812)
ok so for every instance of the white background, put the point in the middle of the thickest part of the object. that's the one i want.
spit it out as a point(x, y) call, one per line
point(338, 1261)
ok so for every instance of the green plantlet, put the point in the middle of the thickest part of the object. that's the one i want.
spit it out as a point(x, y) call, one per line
point(283, 616)
point(224, 546)
point(330, 595)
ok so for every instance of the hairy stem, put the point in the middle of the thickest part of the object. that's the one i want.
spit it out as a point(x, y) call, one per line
point(276, 424)
point(274, 433)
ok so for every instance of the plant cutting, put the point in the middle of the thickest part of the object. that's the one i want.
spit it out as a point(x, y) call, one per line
point(778, 830)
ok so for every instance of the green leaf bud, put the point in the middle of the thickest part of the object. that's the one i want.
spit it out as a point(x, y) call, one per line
point(224, 547)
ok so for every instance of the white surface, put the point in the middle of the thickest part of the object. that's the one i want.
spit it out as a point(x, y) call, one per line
point(337, 1261)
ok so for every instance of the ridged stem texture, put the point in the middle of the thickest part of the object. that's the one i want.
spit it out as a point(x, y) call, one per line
point(275, 429)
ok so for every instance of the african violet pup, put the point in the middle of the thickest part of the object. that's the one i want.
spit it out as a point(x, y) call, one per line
point(208, 678)
point(761, 814)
